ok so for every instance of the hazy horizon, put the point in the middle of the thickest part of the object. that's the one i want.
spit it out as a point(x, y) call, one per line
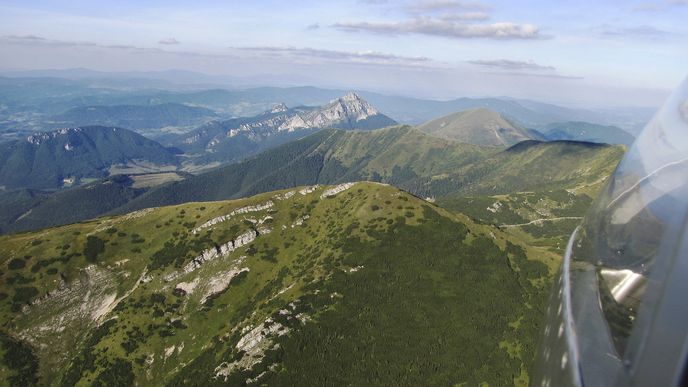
point(605, 54)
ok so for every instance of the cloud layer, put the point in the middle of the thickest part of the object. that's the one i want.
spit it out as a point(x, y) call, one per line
point(456, 19)
point(168, 41)
point(363, 57)
point(446, 28)
point(506, 64)
point(429, 6)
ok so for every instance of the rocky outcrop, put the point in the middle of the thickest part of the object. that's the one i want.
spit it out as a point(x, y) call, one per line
point(255, 340)
point(38, 138)
point(279, 108)
point(187, 287)
point(238, 211)
point(253, 345)
point(74, 306)
point(220, 283)
point(335, 190)
point(299, 221)
point(284, 196)
point(218, 251)
point(307, 190)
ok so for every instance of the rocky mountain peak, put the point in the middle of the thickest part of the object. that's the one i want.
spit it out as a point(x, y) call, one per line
point(279, 108)
point(352, 106)
point(351, 96)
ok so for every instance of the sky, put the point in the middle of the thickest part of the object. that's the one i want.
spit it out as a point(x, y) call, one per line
point(579, 53)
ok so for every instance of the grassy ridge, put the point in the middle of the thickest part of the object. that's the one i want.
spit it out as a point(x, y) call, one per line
point(399, 156)
point(404, 157)
point(335, 275)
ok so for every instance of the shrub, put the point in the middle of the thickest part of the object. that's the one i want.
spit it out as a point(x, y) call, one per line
point(22, 295)
point(20, 358)
point(94, 246)
point(16, 264)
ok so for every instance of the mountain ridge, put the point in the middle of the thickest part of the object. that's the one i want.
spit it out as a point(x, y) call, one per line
point(50, 160)
point(254, 289)
point(424, 165)
point(235, 139)
point(479, 126)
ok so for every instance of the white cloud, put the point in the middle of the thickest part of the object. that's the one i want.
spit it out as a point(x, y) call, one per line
point(465, 16)
point(430, 6)
point(446, 28)
point(507, 64)
point(361, 57)
point(168, 41)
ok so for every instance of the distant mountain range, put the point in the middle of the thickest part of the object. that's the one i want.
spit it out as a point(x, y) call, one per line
point(235, 139)
point(49, 160)
point(63, 157)
point(482, 126)
point(585, 131)
point(139, 118)
point(28, 101)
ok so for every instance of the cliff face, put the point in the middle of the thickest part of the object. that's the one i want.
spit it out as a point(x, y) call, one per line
point(345, 112)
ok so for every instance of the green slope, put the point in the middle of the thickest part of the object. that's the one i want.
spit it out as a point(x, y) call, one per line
point(325, 291)
point(41, 210)
point(404, 157)
point(545, 218)
point(541, 194)
point(401, 156)
point(532, 166)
